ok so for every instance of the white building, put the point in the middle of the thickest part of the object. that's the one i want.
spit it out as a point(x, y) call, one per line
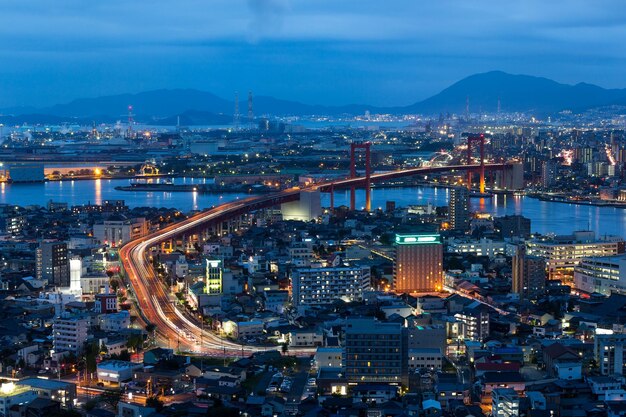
point(76, 270)
point(609, 352)
point(115, 371)
point(482, 247)
point(563, 253)
point(307, 208)
point(243, 329)
point(306, 337)
point(12, 394)
point(604, 275)
point(505, 402)
point(328, 357)
point(181, 267)
point(116, 231)
point(93, 283)
point(114, 322)
point(425, 358)
point(318, 286)
point(69, 334)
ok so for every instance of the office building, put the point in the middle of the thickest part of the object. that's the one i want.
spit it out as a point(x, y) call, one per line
point(458, 208)
point(69, 334)
point(418, 263)
point(609, 353)
point(529, 275)
point(214, 276)
point(603, 275)
point(53, 263)
point(563, 253)
point(318, 286)
point(505, 403)
point(375, 352)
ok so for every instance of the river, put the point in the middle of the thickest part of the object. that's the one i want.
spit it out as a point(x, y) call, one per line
point(546, 217)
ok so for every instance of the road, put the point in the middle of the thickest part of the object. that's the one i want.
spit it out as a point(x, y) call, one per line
point(173, 328)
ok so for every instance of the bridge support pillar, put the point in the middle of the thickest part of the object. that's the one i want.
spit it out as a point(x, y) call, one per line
point(481, 140)
point(368, 168)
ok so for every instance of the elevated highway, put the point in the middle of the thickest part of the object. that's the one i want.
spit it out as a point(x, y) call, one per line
point(175, 327)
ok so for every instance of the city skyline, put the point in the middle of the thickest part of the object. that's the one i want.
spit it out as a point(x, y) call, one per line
point(324, 53)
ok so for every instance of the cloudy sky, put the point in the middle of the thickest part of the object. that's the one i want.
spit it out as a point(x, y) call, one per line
point(389, 52)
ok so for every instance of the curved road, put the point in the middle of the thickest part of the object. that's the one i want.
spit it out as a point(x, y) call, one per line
point(173, 327)
point(176, 329)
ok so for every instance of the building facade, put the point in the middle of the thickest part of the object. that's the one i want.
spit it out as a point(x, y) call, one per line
point(319, 286)
point(53, 263)
point(69, 334)
point(529, 275)
point(564, 253)
point(458, 208)
point(418, 265)
point(375, 351)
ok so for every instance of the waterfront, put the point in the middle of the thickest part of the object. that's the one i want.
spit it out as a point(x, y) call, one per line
point(561, 218)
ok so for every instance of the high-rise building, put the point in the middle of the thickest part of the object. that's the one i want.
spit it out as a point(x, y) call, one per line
point(505, 403)
point(418, 263)
point(548, 174)
point(214, 276)
point(458, 208)
point(53, 263)
point(529, 275)
point(375, 351)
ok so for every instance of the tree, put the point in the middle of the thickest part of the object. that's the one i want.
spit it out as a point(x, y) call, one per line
point(154, 402)
point(150, 328)
point(115, 284)
point(111, 398)
point(90, 405)
point(285, 348)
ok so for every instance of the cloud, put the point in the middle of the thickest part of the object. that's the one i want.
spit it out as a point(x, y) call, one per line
point(267, 17)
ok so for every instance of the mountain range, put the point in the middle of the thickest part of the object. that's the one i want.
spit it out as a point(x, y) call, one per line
point(516, 93)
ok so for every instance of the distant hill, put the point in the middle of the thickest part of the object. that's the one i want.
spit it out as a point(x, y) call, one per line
point(517, 93)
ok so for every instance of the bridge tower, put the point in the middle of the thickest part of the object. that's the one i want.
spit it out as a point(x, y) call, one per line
point(368, 172)
point(481, 140)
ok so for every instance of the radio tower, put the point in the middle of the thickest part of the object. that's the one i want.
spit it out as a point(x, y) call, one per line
point(498, 105)
point(236, 116)
point(250, 112)
point(467, 113)
point(130, 121)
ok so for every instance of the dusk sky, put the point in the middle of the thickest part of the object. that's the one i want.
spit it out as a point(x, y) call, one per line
point(322, 51)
